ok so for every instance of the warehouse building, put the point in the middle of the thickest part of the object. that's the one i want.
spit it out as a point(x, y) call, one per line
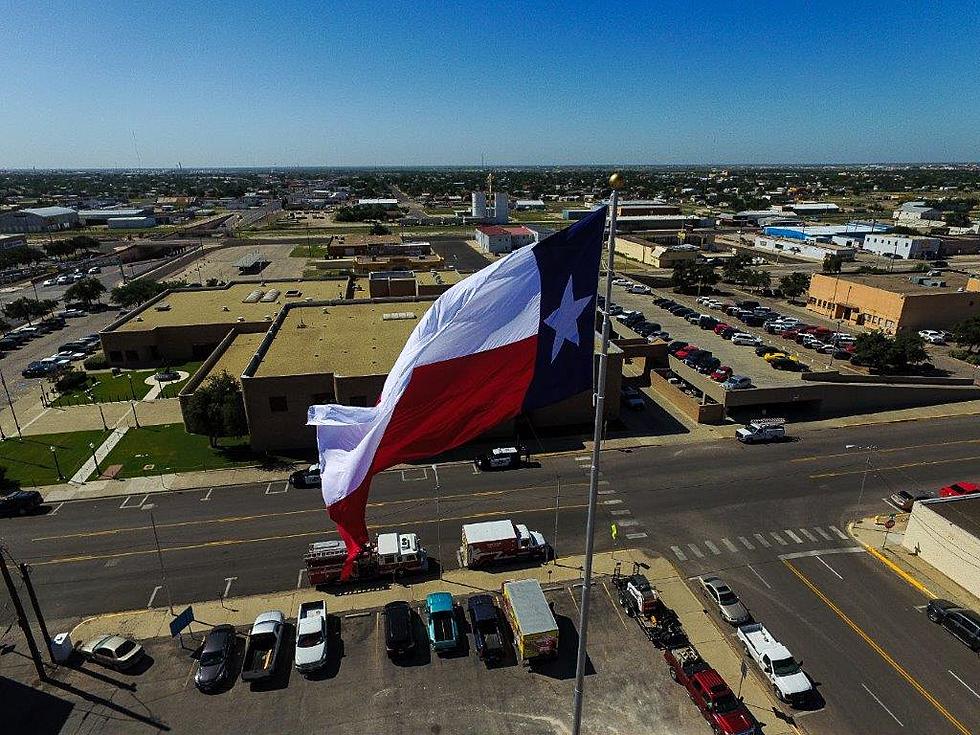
point(131, 223)
point(341, 352)
point(945, 532)
point(894, 302)
point(646, 208)
point(812, 209)
point(918, 214)
point(530, 204)
point(806, 249)
point(675, 222)
point(90, 217)
point(39, 219)
point(653, 254)
point(496, 239)
point(902, 246)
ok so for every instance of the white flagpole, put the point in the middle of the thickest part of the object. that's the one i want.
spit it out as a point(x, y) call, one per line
point(615, 181)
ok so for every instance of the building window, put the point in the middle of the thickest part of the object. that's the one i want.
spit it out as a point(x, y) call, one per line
point(115, 355)
point(132, 356)
point(278, 404)
point(889, 324)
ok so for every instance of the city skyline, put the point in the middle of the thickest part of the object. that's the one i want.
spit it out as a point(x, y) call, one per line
point(396, 85)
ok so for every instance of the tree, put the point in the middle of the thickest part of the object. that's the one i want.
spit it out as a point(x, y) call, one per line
point(890, 354)
point(908, 348)
point(139, 291)
point(379, 229)
point(794, 284)
point(758, 279)
point(216, 409)
point(832, 263)
point(734, 268)
point(87, 290)
point(967, 333)
point(957, 219)
point(28, 309)
point(689, 275)
point(873, 349)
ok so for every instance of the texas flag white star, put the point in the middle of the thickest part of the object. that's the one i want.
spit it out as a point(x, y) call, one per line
point(564, 319)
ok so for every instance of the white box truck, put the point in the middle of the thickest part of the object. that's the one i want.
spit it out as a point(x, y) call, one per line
point(490, 542)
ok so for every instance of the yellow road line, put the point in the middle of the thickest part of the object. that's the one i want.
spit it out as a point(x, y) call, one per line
point(894, 467)
point(259, 516)
point(859, 453)
point(321, 533)
point(898, 570)
point(878, 649)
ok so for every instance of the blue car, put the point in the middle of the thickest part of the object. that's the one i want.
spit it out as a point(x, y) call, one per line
point(441, 622)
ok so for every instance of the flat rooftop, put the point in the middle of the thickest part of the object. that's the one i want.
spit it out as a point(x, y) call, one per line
point(431, 278)
point(225, 305)
point(237, 355)
point(900, 283)
point(345, 339)
point(963, 511)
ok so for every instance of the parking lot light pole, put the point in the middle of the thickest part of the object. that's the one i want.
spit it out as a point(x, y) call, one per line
point(135, 417)
point(91, 445)
point(57, 465)
point(105, 426)
point(10, 403)
point(132, 392)
point(156, 539)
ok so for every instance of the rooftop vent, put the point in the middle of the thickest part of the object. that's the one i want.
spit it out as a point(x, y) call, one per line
point(293, 293)
point(270, 296)
point(240, 319)
point(253, 297)
point(162, 307)
point(225, 308)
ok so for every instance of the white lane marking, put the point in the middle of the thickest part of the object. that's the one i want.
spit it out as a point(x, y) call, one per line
point(270, 491)
point(636, 535)
point(696, 551)
point(436, 471)
point(822, 532)
point(969, 688)
point(56, 509)
point(761, 539)
point(875, 698)
point(623, 512)
point(840, 533)
point(746, 543)
point(792, 536)
point(612, 502)
point(207, 495)
point(731, 547)
point(603, 482)
point(126, 504)
point(823, 552)
point(628, 523)
point(607, 492)
point(712, 548)
point(408, 478)
point(752, 569)
point(228, 581)
point(832, 570)
point(779, 539)
point(153, 595)
point(809, 535)
point(583, 459)
point(681, 556)
point(299, 578)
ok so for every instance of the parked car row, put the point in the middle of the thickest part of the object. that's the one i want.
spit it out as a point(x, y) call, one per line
point(707, 364)
point(16, 338)
point(67, 353)
point(67, 279)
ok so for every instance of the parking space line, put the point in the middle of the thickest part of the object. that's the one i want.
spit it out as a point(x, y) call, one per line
point(633, 536)
point(879, 650)
point(126, 504)
point(696, 551)
point(746, 543)
point(152, 596)
point(712, 548)
point(752, 569)
point(228, 581)
point(761, 539)
point(969, 688)
point(822, 532)
point(792, 536)
point(270, 491)
point(409, 478)
point(840, 533)
point(299, 578)
point(875, 698)
point(681, 556)
point(56, 509)
point(778, 538)
point(832, 570)
point(809, 535)
point(615, 606)
point(731, 547)
point(207, 495)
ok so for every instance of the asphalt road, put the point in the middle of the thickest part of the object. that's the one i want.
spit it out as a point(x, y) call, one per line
point(720, 507)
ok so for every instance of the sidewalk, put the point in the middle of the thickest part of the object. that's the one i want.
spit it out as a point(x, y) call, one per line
point(900, 561)
point(703, 632)
point(35, 419)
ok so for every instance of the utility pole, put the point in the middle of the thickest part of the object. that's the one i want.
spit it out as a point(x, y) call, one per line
point(554, 539)
point(10, 403)
point(25, 573)
point(22, 617)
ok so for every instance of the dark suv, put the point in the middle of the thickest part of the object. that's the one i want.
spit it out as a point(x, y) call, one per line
point(961, 622)
point(399, 629)
point(20, 502)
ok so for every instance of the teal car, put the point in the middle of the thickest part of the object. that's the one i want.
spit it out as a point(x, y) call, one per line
point(441, 620)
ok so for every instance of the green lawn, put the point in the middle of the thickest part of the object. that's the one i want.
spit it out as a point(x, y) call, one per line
point(30, 462)
point(156, 450)
point(305, 251)
point(107, 388)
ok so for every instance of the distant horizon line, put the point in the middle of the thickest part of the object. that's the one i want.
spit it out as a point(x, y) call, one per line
point(405, 167)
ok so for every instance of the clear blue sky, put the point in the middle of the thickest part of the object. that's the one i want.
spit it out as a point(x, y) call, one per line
point(392, 83)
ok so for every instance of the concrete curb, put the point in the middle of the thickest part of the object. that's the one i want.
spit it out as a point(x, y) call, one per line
point(892, 566)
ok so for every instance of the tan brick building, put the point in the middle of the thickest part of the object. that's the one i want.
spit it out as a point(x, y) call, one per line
point(894, 302)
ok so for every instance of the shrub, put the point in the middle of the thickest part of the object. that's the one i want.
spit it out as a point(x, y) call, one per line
point(97, 361)
point(71, 380)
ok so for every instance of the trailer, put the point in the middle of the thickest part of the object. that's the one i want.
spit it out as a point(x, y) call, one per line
point(491, 542)
point(394, 554)
point(530, 618)
point(658, 622)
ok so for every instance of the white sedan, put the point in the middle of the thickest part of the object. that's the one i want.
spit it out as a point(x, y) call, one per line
point(743, 338)
point(933, 336)
point(113, 651)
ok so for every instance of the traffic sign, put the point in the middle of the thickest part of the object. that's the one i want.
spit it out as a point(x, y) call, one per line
point(181, 621)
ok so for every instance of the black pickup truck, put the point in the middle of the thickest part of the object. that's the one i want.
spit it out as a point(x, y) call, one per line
point(485, 621)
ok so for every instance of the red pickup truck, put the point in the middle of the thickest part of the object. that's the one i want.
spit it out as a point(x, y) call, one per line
point(725, 712)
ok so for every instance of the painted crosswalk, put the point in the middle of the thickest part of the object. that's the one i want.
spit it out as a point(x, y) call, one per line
point(757, 542)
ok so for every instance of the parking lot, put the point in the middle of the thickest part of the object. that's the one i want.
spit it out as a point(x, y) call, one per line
point(742, 359)
point(628, 689)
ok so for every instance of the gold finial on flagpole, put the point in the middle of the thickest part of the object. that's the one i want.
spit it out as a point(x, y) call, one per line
point(616, 180)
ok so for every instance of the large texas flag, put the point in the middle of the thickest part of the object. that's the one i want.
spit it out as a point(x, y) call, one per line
point(513, 337)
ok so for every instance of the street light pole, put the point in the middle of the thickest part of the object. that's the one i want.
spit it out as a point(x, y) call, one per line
point(163, 572)
point(131, 391)
point(105, 426)
point(135, 417)
point(95, 459)
point(57, 465)
point(10, 402)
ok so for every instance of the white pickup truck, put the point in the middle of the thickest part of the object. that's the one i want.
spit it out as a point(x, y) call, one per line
point(777, 664)
point(762, 430)
point(311, 636)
